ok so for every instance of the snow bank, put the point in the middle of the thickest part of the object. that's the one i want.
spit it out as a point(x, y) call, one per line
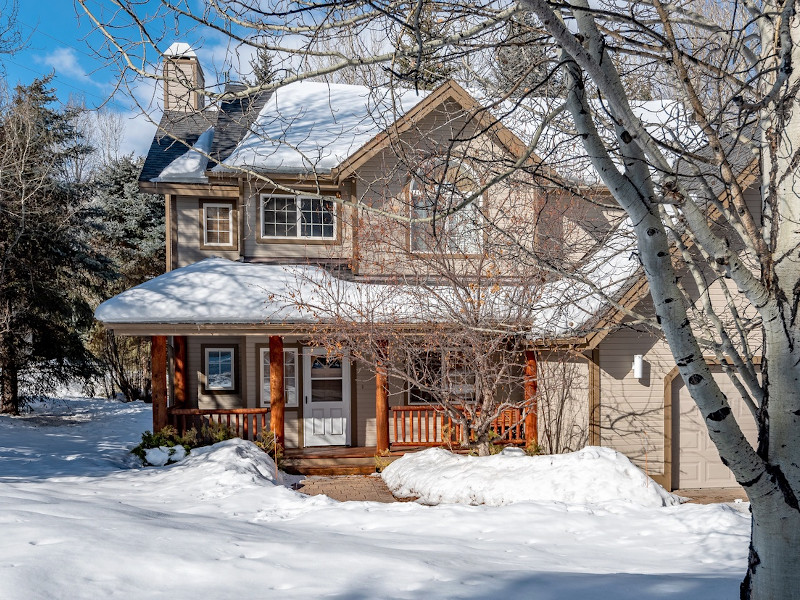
point(589, 476)
point(78, 524)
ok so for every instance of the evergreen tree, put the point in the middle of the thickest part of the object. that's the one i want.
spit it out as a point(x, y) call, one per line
point(128, 227)
point(425, 68)
point(47, 271)
point(264, 70)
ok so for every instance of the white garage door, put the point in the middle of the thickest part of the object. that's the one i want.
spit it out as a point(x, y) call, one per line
point(699, 465)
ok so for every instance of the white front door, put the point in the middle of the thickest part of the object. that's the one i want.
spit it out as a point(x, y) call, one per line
point(326, 398)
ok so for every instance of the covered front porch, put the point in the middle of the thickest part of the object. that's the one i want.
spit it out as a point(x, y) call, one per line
point(398, 428)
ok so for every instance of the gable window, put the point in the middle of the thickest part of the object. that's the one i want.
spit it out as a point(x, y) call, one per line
point(437, 373)
point(297, 217)
point(217, 224)
point(219, 369)
point(289, 377)
point(439, 191)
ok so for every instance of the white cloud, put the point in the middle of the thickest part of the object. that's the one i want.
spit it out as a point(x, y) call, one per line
point(65, 62)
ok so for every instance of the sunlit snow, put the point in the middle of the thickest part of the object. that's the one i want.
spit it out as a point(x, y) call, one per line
point(79, 520)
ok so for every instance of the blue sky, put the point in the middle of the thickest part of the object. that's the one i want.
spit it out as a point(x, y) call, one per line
point(61, 42)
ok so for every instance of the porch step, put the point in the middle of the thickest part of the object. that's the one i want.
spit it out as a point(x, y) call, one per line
point(332, 470)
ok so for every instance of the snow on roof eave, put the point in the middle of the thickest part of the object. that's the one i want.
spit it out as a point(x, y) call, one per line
point(190, 167)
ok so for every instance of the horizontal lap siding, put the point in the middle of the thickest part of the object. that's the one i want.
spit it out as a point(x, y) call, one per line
point(190, 233)
point(295, 249)
point(196, 369)
point(632, 410)
point(563, 402)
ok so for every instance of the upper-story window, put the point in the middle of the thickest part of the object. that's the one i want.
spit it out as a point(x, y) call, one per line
point(441, 191)
point(217, 224)
point(297, 217)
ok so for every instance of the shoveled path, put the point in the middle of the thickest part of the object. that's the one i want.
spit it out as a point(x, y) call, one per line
point(366, 488)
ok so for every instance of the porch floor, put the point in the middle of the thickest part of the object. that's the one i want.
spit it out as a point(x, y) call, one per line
point(345, 451)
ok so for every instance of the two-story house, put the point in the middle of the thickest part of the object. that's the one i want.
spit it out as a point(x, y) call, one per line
point(275, 200)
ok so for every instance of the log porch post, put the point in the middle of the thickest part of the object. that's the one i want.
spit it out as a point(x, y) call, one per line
point(158, 368)
point(277, 402)
point(180, 374)
point(381, 400)
point(531, 404)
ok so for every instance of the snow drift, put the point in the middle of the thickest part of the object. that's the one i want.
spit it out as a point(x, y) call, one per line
point(590, 476)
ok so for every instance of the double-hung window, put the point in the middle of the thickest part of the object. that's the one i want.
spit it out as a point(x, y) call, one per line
point(217, 224)
point(297, 217)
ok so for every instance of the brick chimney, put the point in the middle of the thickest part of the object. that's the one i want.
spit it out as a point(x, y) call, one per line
point(183, 76)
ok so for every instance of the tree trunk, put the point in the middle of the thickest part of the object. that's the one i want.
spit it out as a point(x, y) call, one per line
point(10, 385)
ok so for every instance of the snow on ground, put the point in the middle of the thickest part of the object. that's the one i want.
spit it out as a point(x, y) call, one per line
point(78, 521)
point(592, 475)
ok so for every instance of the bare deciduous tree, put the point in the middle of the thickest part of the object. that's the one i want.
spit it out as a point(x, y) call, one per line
point(727, 117)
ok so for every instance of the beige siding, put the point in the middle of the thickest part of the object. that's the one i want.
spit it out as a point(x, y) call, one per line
point(190, 233)
point(563, 402)
point(265, 249)
point(632, 410)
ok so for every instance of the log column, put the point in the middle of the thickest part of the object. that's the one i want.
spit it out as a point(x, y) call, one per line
point(531, 404)
point(277, 402)
point(158, 368)
point(180, 374)
point(381, 400)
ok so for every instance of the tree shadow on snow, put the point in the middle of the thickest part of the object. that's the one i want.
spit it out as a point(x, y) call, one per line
point(574, 586)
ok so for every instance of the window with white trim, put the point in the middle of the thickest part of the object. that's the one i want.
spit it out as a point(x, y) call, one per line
point(289, 377)
point(219, 369)
point(297, 217)
point(441, 192)
point(217, 224)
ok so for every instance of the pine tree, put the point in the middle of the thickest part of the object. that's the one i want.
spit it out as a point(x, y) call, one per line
point(264, 70)
point(425, 68)
point(128, 227)
point(46, 268)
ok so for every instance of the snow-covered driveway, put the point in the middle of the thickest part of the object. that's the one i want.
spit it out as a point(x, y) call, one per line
point(77, 521)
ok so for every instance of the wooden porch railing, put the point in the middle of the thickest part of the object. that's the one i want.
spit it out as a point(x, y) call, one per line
point(431, 426)
point(246, 422)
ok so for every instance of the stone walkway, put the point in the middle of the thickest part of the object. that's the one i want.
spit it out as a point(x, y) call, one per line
point(372, 489)
point(347, 487)
point(713, 495)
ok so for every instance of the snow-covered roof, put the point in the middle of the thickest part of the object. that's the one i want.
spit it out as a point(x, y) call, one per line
point(561, 148)
point(180, 50)
point(220, 291)
point(315, 126)
point(191, 165)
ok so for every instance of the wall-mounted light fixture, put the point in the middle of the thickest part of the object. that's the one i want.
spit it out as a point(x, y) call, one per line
point(638, 366)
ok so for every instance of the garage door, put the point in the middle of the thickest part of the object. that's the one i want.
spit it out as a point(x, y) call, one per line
point(698, 462)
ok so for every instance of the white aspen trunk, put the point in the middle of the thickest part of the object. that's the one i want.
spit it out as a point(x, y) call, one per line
point(775, 541)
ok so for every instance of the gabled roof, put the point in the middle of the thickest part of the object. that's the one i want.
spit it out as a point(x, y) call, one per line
point(178, 132)
point(313, 127)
